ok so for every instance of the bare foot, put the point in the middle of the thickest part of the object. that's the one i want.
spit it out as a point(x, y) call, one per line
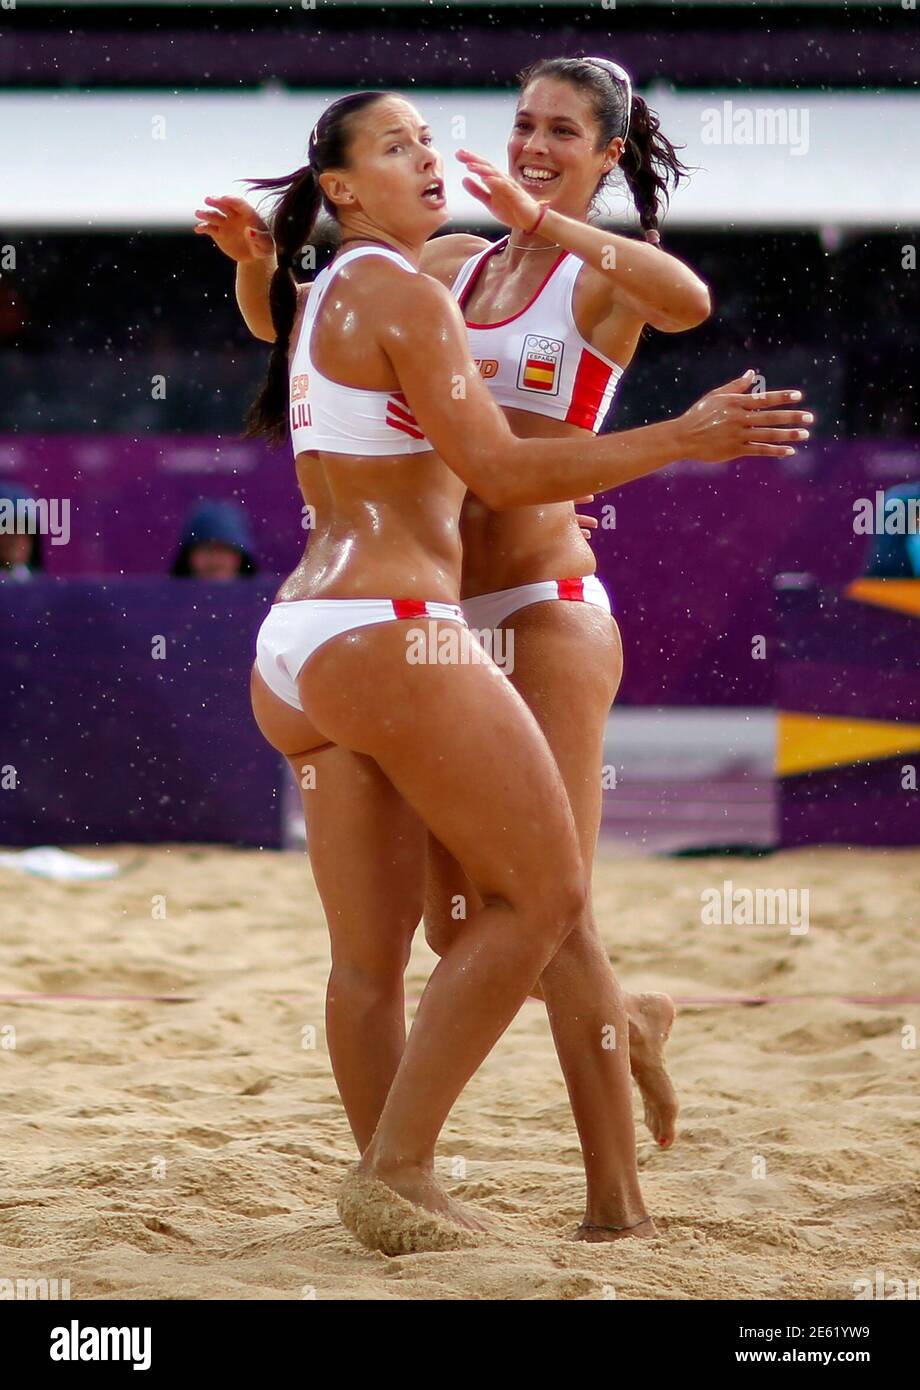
point(420, 1187)
point(590, 1232)
point(651, 1017)
point(382, 1220)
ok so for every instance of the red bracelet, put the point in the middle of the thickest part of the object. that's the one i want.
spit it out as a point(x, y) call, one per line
point(530, 230)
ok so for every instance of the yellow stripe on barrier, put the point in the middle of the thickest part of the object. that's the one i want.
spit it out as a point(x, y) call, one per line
point(901, 595)
point(806, 742)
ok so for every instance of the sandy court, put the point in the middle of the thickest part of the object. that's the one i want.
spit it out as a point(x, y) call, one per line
point(191, 1147)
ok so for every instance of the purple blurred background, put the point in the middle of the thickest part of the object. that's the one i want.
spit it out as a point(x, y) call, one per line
point(690, 560)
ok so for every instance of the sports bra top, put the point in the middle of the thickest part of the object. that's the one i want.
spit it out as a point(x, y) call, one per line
point(537, 360)
point(337, 419)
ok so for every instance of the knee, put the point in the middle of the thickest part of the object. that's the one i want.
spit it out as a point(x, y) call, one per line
point(563, 908)
point(449, 904)
point(574, 907)
point(444, 917)
point(439, 930)
point(367, 984)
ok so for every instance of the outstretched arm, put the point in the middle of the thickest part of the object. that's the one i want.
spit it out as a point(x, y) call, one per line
point(424, 337)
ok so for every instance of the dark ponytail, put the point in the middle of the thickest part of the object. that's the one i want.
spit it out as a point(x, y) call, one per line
point(650, 164)
point(649, 161)
point(292, 222)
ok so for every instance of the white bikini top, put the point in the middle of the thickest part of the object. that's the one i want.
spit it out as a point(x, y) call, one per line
point(335, 419)
point(537, 360)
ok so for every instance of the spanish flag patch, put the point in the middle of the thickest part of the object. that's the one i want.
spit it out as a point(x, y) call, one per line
point(540, 365)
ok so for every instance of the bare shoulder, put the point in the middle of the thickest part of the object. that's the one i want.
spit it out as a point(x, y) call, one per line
point(420, 318)
point(369, 282)
point(391, 289)
point(395, 305)
point(444, 255)
point(606, 320)
point(389, 300)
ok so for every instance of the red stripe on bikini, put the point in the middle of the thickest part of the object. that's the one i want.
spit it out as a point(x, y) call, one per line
point(406, 429)
point(409, 607)
point(591, 381)
point(571, 589)
point(400, 406)
point(400, 417)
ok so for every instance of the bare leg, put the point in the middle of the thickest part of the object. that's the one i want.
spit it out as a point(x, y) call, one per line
point(449, 896)
point(579, 642)
point(559, 646)
point(650, 1016)
point(366, 850)
point(365, 847)
point(459, 745)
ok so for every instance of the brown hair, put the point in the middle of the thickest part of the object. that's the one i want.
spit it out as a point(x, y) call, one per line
point(649, 161)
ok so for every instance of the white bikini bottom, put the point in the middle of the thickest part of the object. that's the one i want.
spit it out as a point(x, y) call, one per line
point(294, 630)
point(488, 610)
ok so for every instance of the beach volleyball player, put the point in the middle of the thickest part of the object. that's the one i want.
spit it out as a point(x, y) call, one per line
point(554, 319)
point(383, 347)
point(577, 121)
point(583, 295)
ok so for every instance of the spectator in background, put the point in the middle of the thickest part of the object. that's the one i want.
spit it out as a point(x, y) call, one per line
point(215, 544)
point(897, 556)
point(20, 549)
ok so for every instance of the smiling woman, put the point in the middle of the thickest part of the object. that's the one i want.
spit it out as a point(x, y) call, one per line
point(387, 446)
point(624, 129)
point(381, 432)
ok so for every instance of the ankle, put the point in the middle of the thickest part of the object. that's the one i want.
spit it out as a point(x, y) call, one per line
point(619, 1209)
point(379, 1161)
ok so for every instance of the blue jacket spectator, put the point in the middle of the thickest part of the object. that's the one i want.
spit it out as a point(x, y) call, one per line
point(897, 556)
point(216, 544)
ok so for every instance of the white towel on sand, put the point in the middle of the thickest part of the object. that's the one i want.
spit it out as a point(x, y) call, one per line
point(47, 862)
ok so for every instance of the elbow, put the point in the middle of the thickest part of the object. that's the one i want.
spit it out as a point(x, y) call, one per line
point(504, 496)
point(260, 325)
point(487, 475)
point(699, 306)
point(695, 308)
point(497, 489)
point(491, 492)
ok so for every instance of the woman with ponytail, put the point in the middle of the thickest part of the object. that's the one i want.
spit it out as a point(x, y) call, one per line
point(588, 293)
point(390, 748)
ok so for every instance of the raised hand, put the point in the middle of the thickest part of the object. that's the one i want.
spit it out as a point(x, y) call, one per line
point(730, 423)
point(507, 201)
point(236, 227)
